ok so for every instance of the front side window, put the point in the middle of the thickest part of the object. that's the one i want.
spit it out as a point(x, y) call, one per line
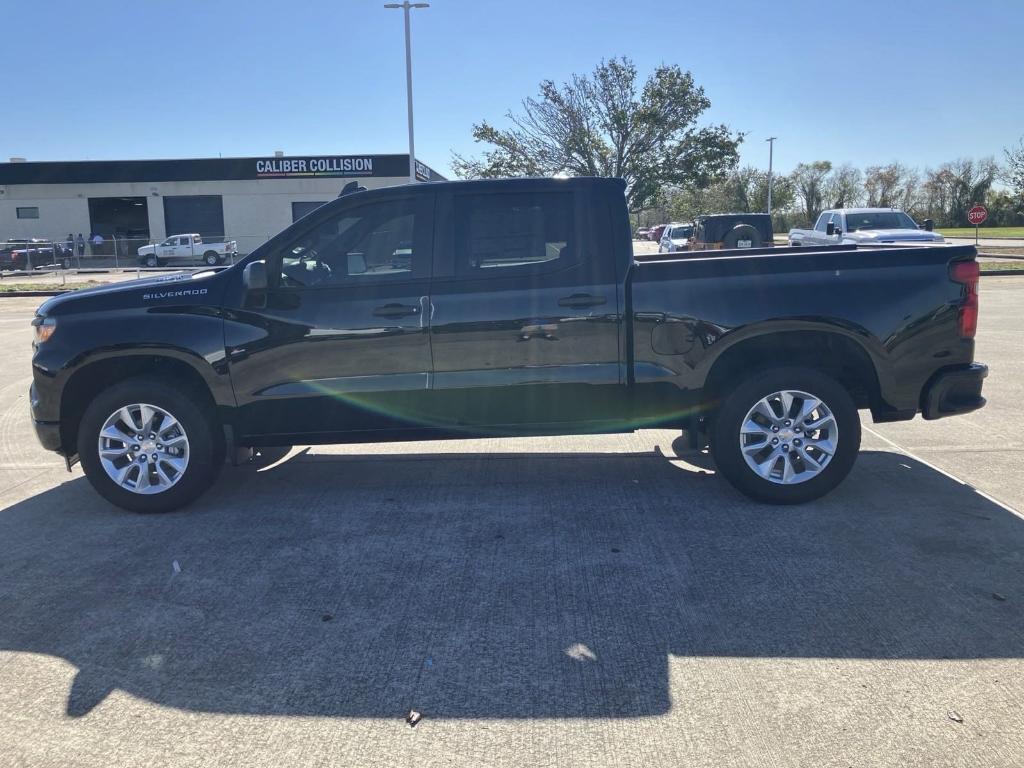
point(504, 233)
point(369, 242)
point(822, 224)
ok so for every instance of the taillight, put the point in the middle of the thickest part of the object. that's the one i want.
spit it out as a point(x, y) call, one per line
point(967, 274)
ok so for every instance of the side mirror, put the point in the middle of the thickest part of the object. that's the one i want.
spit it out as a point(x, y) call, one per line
point(255, 276)
point(830, 228)
point(929, 225)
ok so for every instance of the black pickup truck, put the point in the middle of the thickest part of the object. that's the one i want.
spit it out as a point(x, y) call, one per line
point(487, 308)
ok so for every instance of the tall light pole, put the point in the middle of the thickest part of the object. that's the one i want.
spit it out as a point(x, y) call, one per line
point(405, 5)
point(771, 151)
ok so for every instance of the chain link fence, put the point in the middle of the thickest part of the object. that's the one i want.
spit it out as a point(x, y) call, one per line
point(120, 252)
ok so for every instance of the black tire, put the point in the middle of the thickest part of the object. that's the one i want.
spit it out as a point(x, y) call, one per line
point(65, 263)
point(742, 232)
point(205, 443)
point(725, 434)
point(211, 258)
point(152, 261)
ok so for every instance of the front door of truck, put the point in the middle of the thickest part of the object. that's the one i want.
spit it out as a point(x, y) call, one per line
point(341, 342)
point(526, 321)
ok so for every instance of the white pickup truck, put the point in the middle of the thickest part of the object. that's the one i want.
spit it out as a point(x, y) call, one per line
point(188, 247)
point(866, 226)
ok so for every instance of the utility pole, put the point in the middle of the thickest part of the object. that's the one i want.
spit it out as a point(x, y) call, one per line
point(771, 151)
point(405, 5)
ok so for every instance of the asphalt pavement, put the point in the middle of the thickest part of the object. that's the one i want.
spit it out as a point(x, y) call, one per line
point(582, 601)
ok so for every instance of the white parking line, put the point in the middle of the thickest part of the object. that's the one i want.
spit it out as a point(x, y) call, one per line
point(928, 464)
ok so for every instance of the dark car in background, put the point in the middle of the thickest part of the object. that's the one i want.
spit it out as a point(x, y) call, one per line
point(732, 230)
point(25, 253)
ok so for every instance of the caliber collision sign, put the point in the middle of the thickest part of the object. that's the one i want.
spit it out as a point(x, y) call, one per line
point(977, 215)
point(315, 166)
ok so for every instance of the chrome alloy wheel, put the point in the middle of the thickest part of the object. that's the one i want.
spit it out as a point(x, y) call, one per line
point(143, 448)
point(788, 437)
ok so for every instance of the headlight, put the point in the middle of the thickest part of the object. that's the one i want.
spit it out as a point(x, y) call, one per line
point(45, 326)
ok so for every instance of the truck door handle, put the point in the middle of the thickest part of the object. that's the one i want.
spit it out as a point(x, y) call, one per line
point(396, 310)
point(582, 300)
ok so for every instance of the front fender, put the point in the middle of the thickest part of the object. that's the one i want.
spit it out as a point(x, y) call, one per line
point(193, 339)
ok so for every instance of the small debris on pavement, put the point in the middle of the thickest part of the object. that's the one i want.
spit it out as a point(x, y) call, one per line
point(327, 617)
point(955, 716)
point(999, 597)
point(175, 567)
point(616, 551)
point(413, 718)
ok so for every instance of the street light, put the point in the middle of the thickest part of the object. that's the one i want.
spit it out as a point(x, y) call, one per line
point(405, 5)
point(771, 148)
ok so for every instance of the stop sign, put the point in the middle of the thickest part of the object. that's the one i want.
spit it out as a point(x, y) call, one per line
point(977, 215)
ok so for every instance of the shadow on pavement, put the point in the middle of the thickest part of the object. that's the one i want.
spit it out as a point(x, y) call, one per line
point(496, 586)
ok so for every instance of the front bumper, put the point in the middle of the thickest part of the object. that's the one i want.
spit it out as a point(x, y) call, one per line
point(48, 433)
point(954, 391)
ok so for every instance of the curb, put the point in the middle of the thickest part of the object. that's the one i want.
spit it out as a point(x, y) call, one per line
point(998, 272)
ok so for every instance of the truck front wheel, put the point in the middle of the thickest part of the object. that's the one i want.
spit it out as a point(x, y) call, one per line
point(146, 447)
point(786, 436)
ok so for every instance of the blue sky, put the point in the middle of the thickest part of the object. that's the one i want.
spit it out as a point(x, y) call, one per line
point(864, 82)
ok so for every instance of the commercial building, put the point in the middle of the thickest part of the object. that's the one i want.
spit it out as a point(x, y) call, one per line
point(246, 199)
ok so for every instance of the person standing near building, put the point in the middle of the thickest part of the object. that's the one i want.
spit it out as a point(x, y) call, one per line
point(69, 246)
point(97, 243)
point(81, 245)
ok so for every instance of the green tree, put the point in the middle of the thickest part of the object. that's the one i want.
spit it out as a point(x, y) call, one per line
point(809, 185)
point(1014, 171)
point(889, 186)
point(745, 190)
point(954, 187)
point(844, 187)
point(607, 124)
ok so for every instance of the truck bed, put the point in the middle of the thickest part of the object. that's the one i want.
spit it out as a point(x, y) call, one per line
point(688, 309)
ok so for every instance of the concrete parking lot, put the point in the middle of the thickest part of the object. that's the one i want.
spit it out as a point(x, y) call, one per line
point(584, 601)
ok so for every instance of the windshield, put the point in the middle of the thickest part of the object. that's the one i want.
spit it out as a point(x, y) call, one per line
point(879, 220)
point(681, 233)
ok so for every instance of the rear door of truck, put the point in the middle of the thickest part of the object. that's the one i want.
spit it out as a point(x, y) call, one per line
point(526, 317)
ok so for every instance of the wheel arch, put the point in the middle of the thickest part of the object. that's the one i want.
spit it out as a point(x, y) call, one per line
point(93, 377)
point(835, 354)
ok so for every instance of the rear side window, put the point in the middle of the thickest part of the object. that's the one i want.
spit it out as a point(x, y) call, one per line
point(510, 233)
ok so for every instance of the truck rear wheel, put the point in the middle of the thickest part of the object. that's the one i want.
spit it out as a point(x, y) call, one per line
point(786, 436)
point(146, 447)
point(211, 258)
